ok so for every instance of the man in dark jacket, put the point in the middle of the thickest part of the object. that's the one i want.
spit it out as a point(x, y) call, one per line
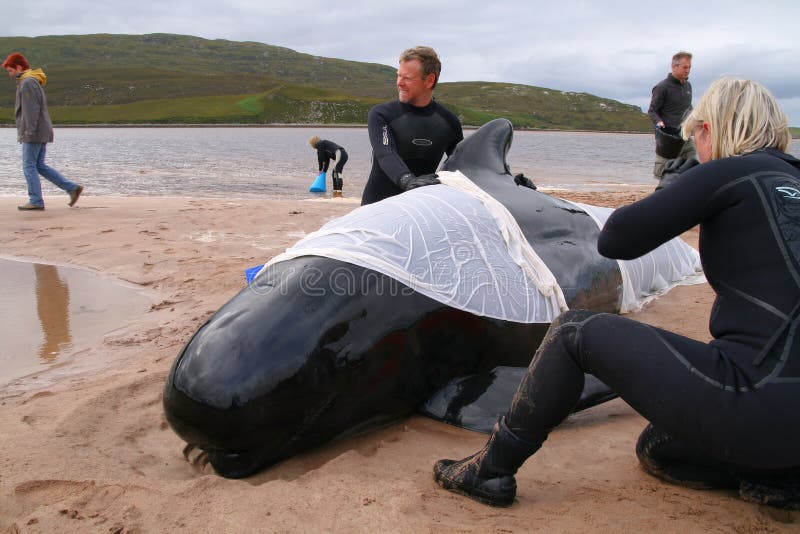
point(34, 131)
point(670, 101)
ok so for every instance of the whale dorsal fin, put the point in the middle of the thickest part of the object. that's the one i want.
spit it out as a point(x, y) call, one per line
point(485, 150)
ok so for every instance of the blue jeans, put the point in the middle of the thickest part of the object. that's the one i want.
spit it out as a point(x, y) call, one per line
point(33, 165)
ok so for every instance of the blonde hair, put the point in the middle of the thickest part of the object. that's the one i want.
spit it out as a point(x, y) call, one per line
point(744, 117)
point(313, 141)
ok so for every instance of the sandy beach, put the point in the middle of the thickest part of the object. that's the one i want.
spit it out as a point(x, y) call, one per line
point(84, 446)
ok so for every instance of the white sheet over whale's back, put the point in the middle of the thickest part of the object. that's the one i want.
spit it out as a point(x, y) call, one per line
point(458, 245)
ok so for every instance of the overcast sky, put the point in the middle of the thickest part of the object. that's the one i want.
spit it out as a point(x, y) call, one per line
point(614, 49)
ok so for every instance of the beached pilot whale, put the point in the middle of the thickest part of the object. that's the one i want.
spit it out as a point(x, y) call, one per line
point(433, 300)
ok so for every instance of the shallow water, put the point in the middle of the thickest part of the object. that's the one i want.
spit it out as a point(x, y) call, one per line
point(278, 162)
point(49, 312)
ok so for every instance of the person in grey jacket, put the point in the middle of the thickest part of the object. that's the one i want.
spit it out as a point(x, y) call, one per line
point(671, 99)
point(34, 131)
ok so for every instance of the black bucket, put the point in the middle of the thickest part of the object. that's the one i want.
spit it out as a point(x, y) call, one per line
point(668, 142)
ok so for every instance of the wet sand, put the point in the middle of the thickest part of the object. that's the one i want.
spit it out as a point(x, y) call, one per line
point(48, 308)
point(87, 449)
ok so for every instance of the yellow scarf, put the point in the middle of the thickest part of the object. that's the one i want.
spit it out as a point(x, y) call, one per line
point(34, 73)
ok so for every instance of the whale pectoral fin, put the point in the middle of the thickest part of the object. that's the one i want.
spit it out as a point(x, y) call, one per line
point(475, 402)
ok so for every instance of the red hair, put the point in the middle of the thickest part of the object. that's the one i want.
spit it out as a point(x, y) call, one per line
point(16, 60)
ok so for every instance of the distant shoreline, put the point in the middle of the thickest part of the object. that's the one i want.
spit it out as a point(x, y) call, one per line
point(795, 131)
point(238, 125)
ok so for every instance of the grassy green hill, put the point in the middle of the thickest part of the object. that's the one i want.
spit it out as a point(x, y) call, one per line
point(535, 107)
point(162, 78)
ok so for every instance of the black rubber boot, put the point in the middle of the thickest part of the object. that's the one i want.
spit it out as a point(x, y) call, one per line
point(488, 475)
point(337, 184)
point(780, 491)
point(665, 457)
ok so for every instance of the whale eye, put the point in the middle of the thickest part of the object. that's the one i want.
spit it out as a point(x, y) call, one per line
point(335, 333)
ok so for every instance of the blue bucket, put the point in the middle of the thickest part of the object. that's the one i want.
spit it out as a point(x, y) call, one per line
point(250, 274)
point(319, 184)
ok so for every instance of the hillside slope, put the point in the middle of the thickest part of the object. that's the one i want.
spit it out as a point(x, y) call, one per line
point(164, 78)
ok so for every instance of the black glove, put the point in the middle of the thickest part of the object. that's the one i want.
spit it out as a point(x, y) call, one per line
point(409, 181)
point(679, 165)
point(521, 179)
point(673, 168)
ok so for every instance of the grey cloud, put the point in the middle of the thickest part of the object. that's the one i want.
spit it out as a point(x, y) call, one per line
point(616, 49)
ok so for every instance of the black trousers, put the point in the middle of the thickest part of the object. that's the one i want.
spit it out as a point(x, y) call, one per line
point(691, 390)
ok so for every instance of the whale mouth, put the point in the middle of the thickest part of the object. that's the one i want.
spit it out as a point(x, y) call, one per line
point(242, 431)
point(241, 464)
point(230, 464)
point(239, 458)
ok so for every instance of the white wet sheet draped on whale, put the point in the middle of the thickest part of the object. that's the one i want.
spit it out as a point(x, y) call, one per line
point(458, 245)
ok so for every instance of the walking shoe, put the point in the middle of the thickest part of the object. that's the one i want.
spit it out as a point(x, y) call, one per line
point(74, 195)
point(30, 207)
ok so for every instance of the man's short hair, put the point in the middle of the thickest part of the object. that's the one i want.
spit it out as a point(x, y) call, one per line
point(679, 56)
point(16, 60)
point(427, 58)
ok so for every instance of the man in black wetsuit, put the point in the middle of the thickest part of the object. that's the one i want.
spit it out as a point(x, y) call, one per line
point(410, 135)
point(670, 100)
point(327, 151)
point(724, 414)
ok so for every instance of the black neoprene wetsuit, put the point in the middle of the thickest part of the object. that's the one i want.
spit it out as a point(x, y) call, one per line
point(736, 400)
point(326, 151)
point(407, 139)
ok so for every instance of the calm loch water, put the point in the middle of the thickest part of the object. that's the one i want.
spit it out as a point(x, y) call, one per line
point(278, 162)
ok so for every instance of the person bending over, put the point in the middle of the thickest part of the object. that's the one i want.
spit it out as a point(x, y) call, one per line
point(721, 414)
point(327, 151)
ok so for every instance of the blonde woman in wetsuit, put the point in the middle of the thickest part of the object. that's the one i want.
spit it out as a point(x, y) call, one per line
point(724, 413)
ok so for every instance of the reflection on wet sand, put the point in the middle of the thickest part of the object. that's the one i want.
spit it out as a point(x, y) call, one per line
point(52, 306)
point(48, 312)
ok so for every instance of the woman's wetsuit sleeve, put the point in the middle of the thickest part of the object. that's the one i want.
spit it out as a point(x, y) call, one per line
point(638, 228)
point(384, 147)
